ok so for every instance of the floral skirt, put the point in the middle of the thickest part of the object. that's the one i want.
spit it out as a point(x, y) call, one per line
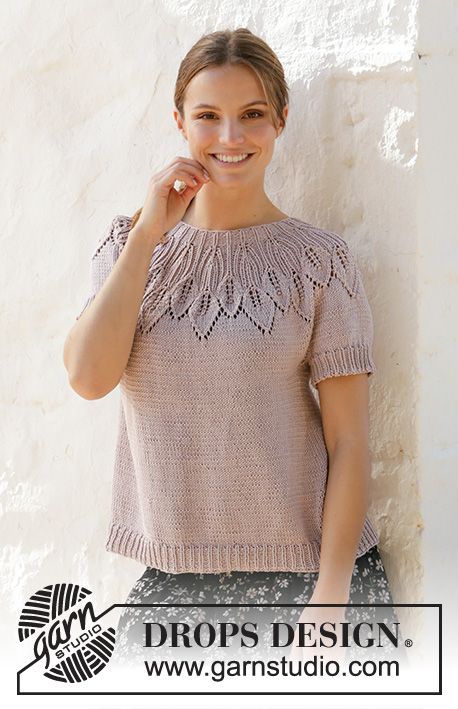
point(369, 584)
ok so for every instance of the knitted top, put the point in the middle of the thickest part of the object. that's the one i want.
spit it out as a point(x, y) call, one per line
point(221, 462)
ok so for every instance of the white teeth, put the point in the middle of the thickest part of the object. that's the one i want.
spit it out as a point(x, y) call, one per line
point(231, 158)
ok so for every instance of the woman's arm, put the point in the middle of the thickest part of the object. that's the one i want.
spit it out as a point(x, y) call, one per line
point(98, 346)
point(344, 403)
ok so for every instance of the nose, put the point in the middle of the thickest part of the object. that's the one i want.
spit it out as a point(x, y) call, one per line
point(231, 133)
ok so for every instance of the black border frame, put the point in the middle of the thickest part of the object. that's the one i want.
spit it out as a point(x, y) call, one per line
point(252, 605)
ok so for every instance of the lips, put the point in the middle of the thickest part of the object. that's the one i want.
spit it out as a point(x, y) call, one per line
point(239, 162)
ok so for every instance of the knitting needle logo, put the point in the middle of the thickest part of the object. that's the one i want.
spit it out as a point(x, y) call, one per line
point(66, 632)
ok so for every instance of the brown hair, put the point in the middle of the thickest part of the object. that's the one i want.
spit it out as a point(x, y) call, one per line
point(238, 46)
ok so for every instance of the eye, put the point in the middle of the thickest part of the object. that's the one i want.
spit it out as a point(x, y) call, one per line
point(259, 113)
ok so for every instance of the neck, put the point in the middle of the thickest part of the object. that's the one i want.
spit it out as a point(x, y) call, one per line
point(231, 212)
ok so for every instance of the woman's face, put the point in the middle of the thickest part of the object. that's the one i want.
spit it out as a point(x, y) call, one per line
point(225, 112)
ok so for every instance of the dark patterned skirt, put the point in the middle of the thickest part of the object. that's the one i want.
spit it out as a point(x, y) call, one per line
point(369, 585)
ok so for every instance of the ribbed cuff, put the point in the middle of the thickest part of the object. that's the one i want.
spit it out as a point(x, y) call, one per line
point(354, 359)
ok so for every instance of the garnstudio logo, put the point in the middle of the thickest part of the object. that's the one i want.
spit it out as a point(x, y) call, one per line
point(67, 632)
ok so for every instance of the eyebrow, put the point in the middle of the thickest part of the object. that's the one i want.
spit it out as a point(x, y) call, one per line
point(207, 105)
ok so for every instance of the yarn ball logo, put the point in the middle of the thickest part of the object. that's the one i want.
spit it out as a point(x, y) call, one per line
point(67, 632)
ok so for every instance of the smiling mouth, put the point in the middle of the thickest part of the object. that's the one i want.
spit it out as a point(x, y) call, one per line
point(231, 162)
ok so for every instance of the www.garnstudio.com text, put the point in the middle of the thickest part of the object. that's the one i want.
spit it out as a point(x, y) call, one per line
point(316, 667)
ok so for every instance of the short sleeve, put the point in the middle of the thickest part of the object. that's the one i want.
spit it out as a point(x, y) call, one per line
point(105, 255)
point(342, 333)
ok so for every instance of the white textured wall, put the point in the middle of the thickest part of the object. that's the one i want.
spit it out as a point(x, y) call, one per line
point(436, 402)
point(86, 117)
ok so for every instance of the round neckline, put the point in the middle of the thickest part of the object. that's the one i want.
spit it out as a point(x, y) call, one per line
point(246, 229)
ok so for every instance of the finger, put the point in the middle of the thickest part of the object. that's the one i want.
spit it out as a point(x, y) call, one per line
point(193, 165)
point(179, 186)
point(170, 176)
point(189, 178)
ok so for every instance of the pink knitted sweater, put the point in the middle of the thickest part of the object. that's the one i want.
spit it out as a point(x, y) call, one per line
point(221, 462)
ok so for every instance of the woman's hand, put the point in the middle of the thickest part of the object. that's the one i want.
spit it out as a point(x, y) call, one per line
point(319, 615)
point(164, 206)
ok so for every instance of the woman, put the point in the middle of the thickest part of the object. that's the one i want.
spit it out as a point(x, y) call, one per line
point(218, 315)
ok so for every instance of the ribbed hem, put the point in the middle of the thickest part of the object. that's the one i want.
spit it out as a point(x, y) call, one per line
point(355, 359)
point(221, 558)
